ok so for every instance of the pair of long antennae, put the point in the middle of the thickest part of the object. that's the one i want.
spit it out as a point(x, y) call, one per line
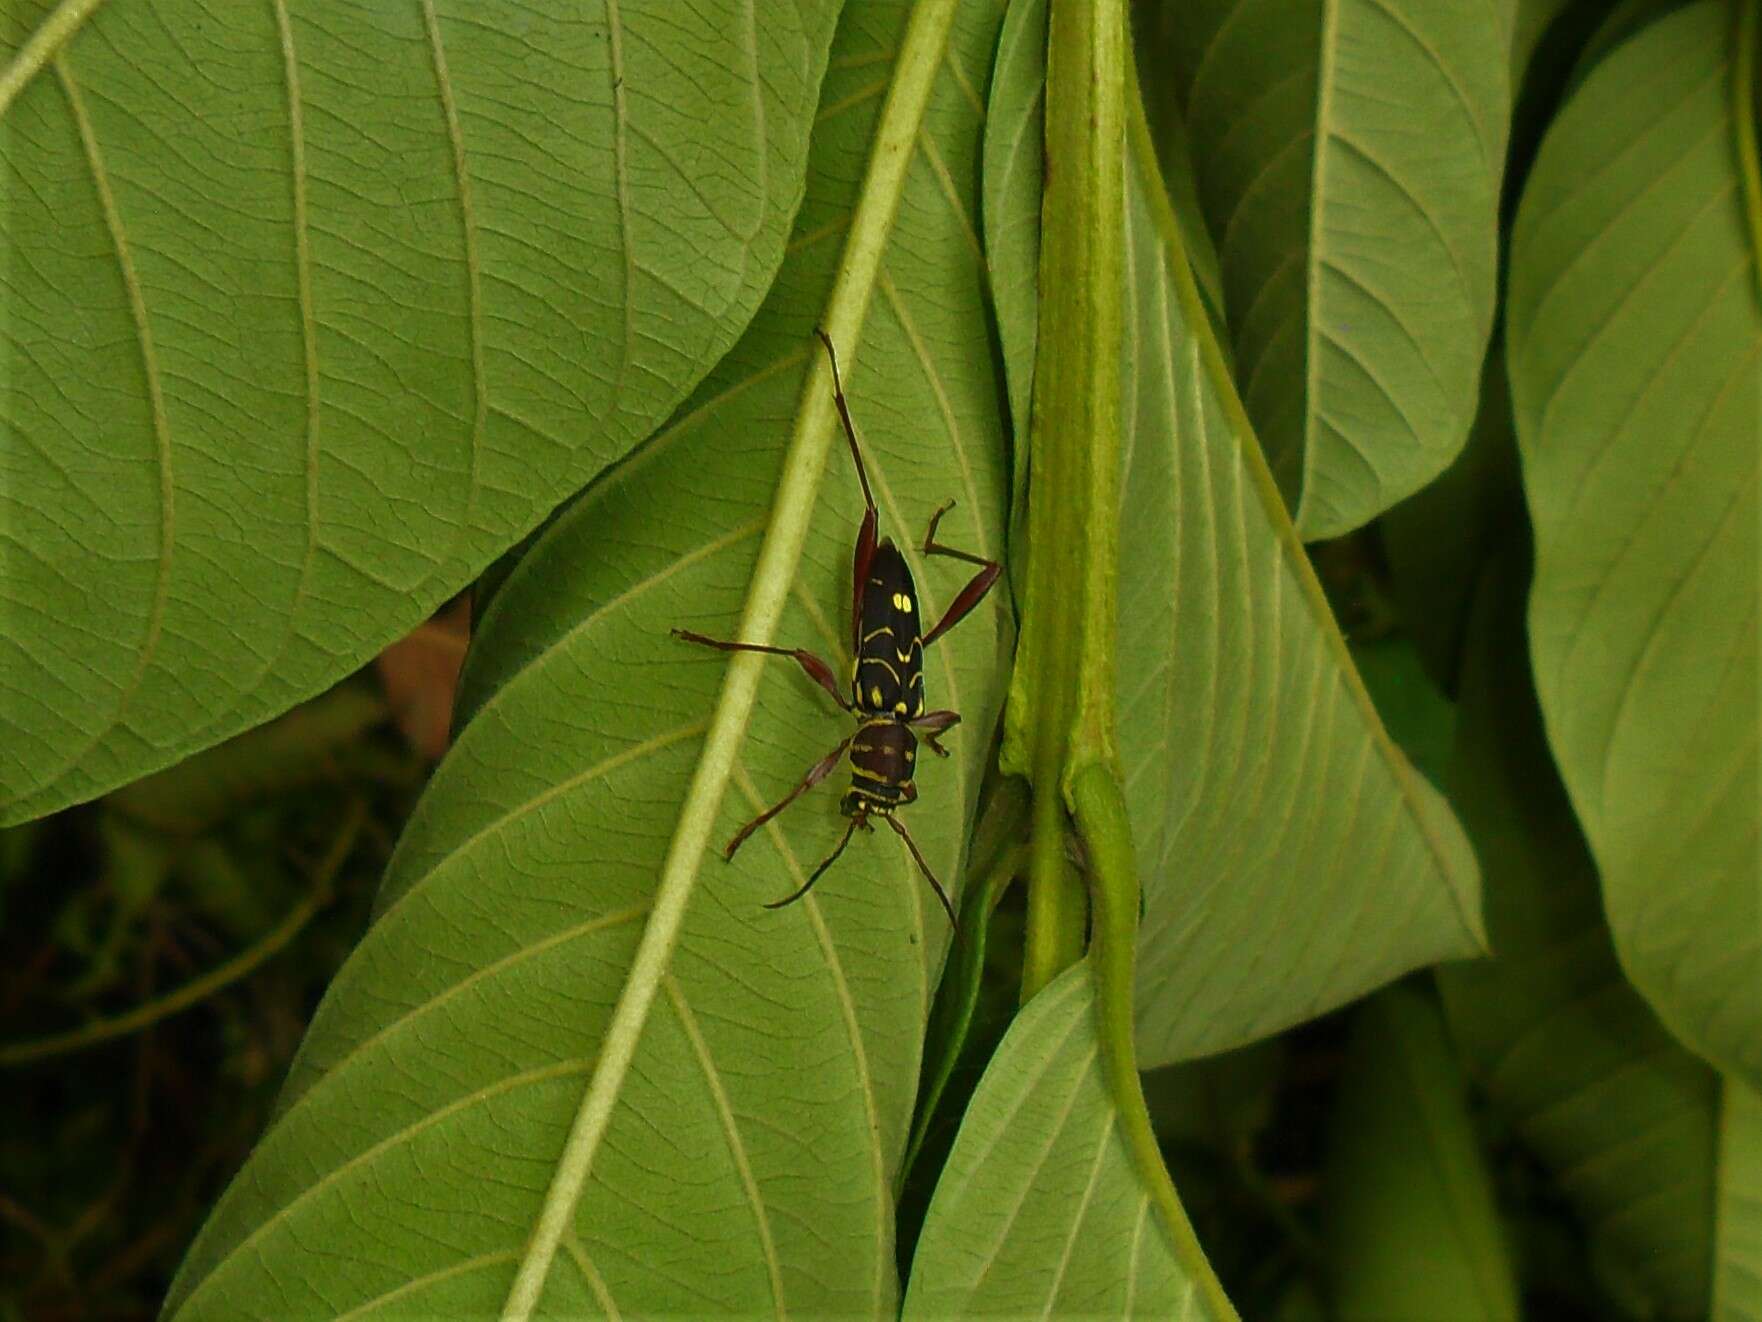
point(911, 844)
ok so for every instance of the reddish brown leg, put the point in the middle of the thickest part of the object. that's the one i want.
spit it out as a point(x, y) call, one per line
point(975, 590)
point(929, 876)
point(831, 858)
point(933, 723)
point(816, 774)
point(818, 670)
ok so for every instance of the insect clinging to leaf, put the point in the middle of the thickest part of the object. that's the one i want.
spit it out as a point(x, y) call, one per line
point(888, 638)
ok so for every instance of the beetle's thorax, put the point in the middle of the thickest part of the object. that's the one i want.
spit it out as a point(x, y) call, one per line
point(887, 676)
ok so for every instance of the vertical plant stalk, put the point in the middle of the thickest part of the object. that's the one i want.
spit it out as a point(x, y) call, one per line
point(1098, 802)
point(920, 56)
point(1059, 717)
point(1060, 725)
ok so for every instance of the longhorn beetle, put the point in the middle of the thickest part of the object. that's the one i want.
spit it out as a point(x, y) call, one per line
point(886, 677)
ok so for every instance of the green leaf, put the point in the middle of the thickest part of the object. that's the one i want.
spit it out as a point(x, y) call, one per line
point(1737, 1282)
point(312, 314)
point(1531, 20)
point(1350, 154)
point(959, 994)
point(1624, 19)
point(1566, 1051)
point(1292, 858)
point(1407, 1184)
point(752, 1147)
point(1635, 338)
point(1014, 165)
point(1438, 539)
point(1040, 1210)
point(1418, 717)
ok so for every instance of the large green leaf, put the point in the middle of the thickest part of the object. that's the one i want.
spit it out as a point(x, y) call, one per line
point(1350, 154)
point(309, 314)
point(1040, 1211)
point(1567, 1052)
point(1635, 351)
point(752, 1150)
point(1292, 858)
point(1411, 1230)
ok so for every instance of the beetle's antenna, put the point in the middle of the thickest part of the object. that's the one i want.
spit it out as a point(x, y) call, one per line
point(924, 867)
point(830, 860)
point(850, 431)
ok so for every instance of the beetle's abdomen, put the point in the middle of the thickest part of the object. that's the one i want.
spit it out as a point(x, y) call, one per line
point(888, 676)
point(881, 763)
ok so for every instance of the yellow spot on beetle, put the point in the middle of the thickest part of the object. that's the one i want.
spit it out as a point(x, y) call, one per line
point(875, 695)
point(899, 707)
point(902, 602)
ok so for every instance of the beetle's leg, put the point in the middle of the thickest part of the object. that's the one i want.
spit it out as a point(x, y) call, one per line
point(933, 723)
point(929, 876)
point(975, 590)
point(865, 547)
point(818, 670)
point(818, 772)
point(830, 860)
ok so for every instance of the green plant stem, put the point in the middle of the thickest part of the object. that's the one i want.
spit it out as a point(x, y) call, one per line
point(1098, 802)
point(42, 46)
point(201, 988)
point(896, 133)
point(1060, 711)
point(1058, 910)
point(1747, 49)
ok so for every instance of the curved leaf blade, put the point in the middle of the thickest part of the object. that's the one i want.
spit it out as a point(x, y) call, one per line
point(422, 1123)
point(1292, 858)
point(1040, 1210)
point(1350, 154)
point(1635, 338)
point(283, 389)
